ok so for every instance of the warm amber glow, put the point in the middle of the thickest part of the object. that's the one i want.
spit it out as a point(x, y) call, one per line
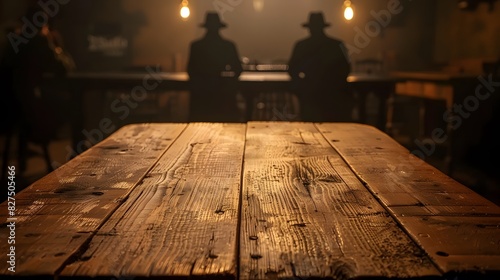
point(185, 12)
point(348, 10)
point(348, 13)
point(258, 5)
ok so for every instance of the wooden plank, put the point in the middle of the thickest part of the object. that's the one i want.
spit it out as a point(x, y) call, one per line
point(431, 206)
point(59, 214)
point(182, 220)
point(305, 213)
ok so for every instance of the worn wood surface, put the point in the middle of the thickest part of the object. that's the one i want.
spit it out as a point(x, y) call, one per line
point(59, 214)
point(305, 214)
point(182, 219)
point(263, 200)
point(458, 229)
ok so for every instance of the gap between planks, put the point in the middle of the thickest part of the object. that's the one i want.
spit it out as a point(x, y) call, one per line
point(456, 227)
point(185, 212)
point(72, 202)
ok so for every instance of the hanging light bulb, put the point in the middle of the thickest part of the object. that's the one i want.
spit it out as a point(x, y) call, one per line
point(348, 10)
point(258, 5)
point(185, 12)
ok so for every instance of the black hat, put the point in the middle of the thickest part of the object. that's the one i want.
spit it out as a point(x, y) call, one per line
point(316, 20)
point(212, 20)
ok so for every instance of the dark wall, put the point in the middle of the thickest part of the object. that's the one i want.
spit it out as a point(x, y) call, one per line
point(129, 32)
point(467, 38)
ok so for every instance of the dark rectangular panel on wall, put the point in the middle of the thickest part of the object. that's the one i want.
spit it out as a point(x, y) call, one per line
point(99, 34)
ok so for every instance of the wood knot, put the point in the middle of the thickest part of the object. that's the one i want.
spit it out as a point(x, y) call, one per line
point(343, 269)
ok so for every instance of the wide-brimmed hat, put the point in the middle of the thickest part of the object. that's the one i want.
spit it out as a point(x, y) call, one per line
point(212, 20)
point(316, 20)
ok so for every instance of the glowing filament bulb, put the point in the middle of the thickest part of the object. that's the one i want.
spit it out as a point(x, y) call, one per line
point(348, 10)
point(185, 12)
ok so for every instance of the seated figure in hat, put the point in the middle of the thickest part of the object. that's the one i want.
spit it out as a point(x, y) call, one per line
point(213, 67)
point(319, 67)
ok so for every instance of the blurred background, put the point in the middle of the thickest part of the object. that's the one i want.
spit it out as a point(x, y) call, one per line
point(446, 36)
point(425, 34)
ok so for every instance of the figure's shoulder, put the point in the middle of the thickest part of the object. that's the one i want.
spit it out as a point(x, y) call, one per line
point(197, 42)
point(227, 42)
point(194, 45)
point(303, 42)
point(335, 41)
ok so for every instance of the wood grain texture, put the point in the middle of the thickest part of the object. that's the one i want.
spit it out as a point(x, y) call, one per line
point(266, 200)
point(59, 214)
point(305, 214)
point(459, 229)
point(182, 219)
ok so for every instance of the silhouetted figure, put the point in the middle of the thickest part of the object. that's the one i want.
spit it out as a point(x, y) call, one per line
point(24, 64)
point(213, 68)
point(319, 68)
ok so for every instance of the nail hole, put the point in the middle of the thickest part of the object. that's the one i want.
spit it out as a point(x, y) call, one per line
point(60, 254)
point(253, 237)
point(335, 140)
point(213, 256)
point(219, 211)
point(255, 256)
point(302, 143)
point(67, 188)
point(442, 254)
point(299, 225)
point(110, 147)
point(97, 193)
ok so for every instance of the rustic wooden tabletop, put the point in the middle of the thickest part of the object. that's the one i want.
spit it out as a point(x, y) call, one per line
point(262, 200)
